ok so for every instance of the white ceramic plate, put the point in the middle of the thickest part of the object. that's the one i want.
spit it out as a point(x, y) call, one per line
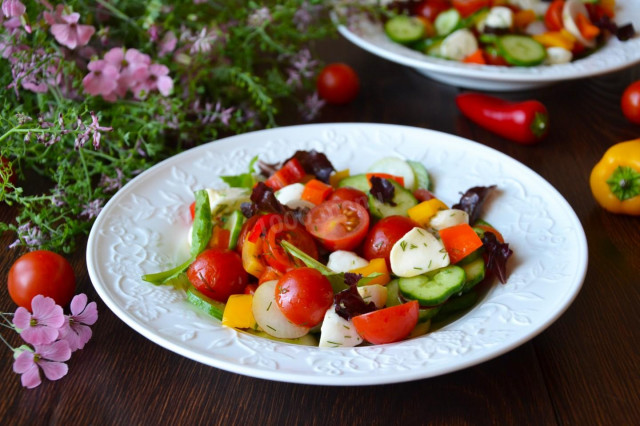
point(143, 229)
point(615, 55)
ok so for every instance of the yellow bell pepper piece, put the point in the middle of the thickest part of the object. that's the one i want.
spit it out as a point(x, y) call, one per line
point(562, 38)
point(615, 180)
point(335, 178)
point(423, 212)
point(375, 266)
point(238, 312)
point(250, 258)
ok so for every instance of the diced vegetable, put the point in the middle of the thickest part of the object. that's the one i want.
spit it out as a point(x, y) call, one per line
point(316, 191)
point(375, 266)
point(423, 212)
point(460, 241)
point(238, 312)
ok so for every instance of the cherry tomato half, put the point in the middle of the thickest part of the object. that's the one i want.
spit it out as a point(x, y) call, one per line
point(41, 272)
point(553, 16)
point(631, 102)
point(218, 274)
point(304, 295)
point(384, 234)
point(276, 256)
point(387, 325)
point(337, 224)
point(430, 9)
point(350, 194)
point(469, 7)
point(338, 83)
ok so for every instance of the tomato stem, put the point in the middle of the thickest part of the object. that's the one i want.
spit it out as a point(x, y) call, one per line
point(624, 183)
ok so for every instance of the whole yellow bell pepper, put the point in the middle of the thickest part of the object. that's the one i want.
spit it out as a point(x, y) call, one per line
point(615, 180)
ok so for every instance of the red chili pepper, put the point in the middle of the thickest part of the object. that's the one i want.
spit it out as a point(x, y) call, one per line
point(523, 122)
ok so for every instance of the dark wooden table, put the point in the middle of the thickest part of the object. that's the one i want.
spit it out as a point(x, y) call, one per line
point(583, 370)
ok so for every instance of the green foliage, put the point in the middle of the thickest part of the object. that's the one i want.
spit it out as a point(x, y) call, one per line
point(232, 68)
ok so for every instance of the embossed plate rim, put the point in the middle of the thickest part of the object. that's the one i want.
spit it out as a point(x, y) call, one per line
point(537, 293)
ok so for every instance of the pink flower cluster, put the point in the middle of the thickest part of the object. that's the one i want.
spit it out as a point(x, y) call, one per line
point(53, 335)
point(123, 70)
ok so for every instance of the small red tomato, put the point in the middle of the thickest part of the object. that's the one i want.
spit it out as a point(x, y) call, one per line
point(338, 83)
point(338, 224)
point(384, 234)
point(631, 102)
point(304, 295)
point(387, 325)
point(430, 9)
point(41, 272)
point(350, 194)
point(218, 274)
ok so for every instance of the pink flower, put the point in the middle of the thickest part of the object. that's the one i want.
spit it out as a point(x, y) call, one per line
point(167, 44)
point(158, 79)
point(49, 357)
point(43, 326)
point(132, 65)
point(11, 8)
point(76, 330)
point(102, 80)
point(71, 34)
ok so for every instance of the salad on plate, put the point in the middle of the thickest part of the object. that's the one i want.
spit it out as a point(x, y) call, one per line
point(304, 253)
point(506, 32)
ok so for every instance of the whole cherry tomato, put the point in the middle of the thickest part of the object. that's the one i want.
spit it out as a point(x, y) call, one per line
point(337, 224)
point(631, 102)
point(304, 295)
point(338, 83)
point(41, 272)
point(218, 274)
point(384, 234)
point(430, 9)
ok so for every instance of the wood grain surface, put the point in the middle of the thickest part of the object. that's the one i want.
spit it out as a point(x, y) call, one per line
point(583, 370)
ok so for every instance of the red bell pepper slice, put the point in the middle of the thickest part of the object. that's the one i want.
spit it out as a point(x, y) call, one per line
point(291, 172)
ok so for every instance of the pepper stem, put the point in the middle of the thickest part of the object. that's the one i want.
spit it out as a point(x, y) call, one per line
point(624, 183)
point(539, 124)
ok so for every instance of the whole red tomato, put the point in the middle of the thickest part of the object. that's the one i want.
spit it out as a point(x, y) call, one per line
point(430, 9)
point(41, 272)
point(338, 83)
point(218, 274)
point(631, 102)
point(304, 295)
point(384, 234)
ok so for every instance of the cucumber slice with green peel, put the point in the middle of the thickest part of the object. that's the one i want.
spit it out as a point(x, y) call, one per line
point(404, 29)
point(394, 299)
point(402, 201)
point(435, 287)
point(359, 182)
point(205, 304)
point(423, 179)
point(447, 22)
point(456, 304)
point(396, 167)
point(475, 272)
point(521, 50)
point(234, 225)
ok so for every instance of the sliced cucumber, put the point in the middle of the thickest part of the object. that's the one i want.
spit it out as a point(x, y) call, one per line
point(234, 225)
point(435, 287)
point(394, 299)
point(396, 167)
point(359, 182)
point(404, 29)
point(475, 272)
point(205, 304)
point(402, 201)
point(456, 304)
point(423, 179)
point(447, 22)
point(521, 50)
